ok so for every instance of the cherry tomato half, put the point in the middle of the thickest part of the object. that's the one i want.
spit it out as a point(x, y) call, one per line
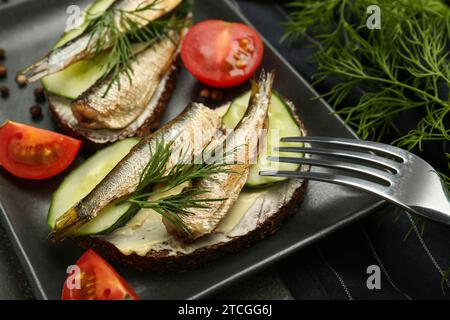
point(33, 153)
point(222, 54)
point(96, 280)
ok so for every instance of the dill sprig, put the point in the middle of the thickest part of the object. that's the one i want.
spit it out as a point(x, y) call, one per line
point(158, 171)
point(400, 67)
point(174, 206)
point(107, 31)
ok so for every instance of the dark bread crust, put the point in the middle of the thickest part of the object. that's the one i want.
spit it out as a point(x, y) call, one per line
point(151, 124)
point(164, 261)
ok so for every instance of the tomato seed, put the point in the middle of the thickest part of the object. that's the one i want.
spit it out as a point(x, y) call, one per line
point(244, 42)
point(241, 64)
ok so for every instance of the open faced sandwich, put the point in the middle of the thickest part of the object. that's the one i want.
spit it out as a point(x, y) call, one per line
point(190, 191)
point(110, 77)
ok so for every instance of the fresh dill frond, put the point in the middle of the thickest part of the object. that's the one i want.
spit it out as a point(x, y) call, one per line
point(107, 32)
point(174, 206)
point(155, 170)
point(199, 168)
point(159, 171)
point(184, 170)
point(400, 67)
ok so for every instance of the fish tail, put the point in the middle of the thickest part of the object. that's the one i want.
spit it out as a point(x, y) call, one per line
point(261, 92)
point(37, 70)
point(264, 83)
point(66, 224)
point(256, 115)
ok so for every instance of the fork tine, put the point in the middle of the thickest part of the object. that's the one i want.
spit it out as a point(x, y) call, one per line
point(367, 145)
point(357, 183)
point(387, 163)
point(353, 167)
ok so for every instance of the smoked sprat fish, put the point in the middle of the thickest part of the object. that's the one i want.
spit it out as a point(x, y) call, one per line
point(126, 100)
point(228, 185)
point(86, 45)
point(190, 132)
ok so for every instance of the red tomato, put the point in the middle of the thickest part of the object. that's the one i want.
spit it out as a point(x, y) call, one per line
point(222, 54)
point(34, 153)
point(97, 281)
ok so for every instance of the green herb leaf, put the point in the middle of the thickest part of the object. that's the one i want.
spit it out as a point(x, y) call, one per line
point(400, 67)
point(186, 169)
point(106, 33)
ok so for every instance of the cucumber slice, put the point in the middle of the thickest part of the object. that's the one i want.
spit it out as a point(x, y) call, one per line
point(281, 124)
point(83, 179)
point(111, 218)
point(77, 78)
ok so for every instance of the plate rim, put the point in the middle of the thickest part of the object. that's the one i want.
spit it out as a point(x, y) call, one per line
point(36, 285)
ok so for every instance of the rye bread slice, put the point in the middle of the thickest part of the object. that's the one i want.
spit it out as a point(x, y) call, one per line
point(147, 122)
point(262, 219)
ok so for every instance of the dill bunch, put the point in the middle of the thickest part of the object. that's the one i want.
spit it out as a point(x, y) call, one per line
point(398, 68)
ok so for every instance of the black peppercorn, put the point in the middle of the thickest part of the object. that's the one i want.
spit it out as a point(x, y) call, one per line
point(36, 112)
point(3, 71)
point(2, 54)
point(216, 95)
point(4, 91)
point(205, 94)
point(39, 94)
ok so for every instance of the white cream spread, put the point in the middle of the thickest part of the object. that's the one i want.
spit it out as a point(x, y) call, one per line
point(146, 232)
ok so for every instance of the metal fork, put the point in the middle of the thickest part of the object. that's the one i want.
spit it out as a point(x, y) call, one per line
point(391, 173)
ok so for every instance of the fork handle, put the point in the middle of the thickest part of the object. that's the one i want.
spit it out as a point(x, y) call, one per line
point(436, 210)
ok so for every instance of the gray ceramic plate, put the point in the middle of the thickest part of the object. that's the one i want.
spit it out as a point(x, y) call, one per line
point(27, 30)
